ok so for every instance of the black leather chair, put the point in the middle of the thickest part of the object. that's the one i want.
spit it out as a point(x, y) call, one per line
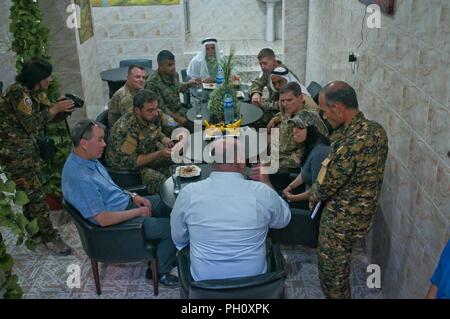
point(145, 63)
point(103, 118)
point(301, 230)
point(121, 243)
point(266, 286)
point(130, 180)
point(314, 90)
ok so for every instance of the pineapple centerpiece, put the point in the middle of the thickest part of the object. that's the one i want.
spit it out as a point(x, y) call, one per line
point(215, 103)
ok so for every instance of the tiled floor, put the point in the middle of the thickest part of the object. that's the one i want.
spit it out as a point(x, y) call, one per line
point(45, 276)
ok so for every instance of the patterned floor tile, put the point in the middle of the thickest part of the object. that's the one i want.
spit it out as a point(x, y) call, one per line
point(44, 276)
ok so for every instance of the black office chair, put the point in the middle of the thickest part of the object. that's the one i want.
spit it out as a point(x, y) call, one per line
point(314, 90)
point(145, 63)
point(121, 243)
point(266, 286)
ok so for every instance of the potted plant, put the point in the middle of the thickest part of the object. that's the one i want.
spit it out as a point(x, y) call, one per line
point(216, 98)
point(11, 203)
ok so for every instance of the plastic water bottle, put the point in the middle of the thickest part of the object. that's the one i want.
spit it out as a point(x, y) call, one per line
point(220, 77)
point(228, 108)
point(170, 121)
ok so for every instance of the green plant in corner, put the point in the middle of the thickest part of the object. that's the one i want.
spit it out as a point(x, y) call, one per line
point(30, 39)
point(215, 103)
point(11, 202)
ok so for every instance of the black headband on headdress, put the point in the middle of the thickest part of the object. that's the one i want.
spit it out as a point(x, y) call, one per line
point(285, 72)
point(209, 40)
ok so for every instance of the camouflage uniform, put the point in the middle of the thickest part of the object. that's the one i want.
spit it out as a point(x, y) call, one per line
point(168, 90)
point(290, 152)
point(131, 137)
point(23, 113)
point(120, 103)
point(270, 106)
point(348, 184)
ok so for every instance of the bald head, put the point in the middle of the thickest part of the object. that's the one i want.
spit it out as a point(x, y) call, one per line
point(340, 92)
point(228, 155)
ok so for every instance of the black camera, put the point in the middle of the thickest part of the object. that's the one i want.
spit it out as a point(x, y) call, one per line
point(78, 101)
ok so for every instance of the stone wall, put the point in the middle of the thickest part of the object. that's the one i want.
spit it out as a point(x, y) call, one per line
point(231, 20)
point(403, 82)
point(75, 65)
point(137, 32)
point(295, 36)
point(7, 57)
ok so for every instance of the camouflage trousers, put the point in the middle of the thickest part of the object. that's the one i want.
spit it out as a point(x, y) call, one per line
point(28, 180)
point(154, 176)
point(336, 239)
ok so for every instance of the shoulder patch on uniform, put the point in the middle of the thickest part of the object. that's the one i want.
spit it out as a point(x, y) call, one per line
point(43, 98)
point(323, 171)
point(25, 105)
point(129, 145)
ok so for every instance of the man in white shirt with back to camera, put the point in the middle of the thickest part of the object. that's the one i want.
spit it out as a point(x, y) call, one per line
point(225, 218)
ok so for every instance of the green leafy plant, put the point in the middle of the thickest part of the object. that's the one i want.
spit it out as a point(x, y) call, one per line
point(215, 103)
point(11, 202)
point(30, 39)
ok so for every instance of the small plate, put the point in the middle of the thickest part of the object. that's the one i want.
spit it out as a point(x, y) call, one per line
point(209, 86)
point(188, 171)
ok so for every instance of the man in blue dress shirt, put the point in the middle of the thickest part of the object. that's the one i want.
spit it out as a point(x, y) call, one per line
point(225, 218)
point(88, 187)
point(440, 281)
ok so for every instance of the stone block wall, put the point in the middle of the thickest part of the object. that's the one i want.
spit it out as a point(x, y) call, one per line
point(7, 57)
point(296, 36)
point(137, 32)
point(231, 20)
point(403, 82)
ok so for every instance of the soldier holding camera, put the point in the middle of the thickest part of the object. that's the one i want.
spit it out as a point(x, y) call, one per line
point(24, 112)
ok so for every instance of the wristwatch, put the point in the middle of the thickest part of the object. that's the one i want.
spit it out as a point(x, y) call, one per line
point(133, 195)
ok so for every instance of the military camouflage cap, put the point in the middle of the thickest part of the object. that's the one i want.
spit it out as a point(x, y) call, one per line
point(304, 119)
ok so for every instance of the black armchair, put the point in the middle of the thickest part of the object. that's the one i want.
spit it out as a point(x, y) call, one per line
point(145, 63)
point(121, 243)
point(314, 89)
point(266, 286)
point(130, 180)
point(301, 230)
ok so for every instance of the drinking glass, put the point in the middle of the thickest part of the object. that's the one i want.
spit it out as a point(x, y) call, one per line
point(198, 104)
point(175, 179)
